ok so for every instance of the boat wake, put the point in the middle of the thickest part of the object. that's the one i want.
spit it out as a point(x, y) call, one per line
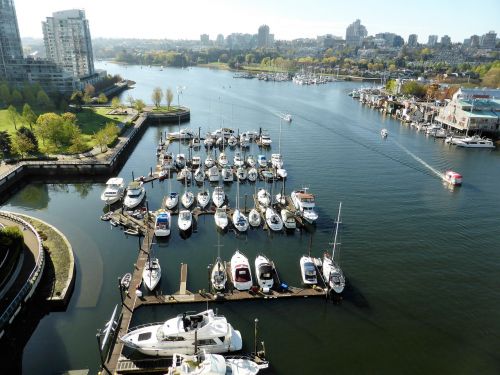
point(429, 167)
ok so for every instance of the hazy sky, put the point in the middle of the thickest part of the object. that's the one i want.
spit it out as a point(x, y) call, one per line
point(287, 19)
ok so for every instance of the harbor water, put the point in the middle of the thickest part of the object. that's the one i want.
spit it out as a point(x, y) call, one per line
point(421, 259)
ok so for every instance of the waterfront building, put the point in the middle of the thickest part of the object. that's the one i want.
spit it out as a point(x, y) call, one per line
point(475, 110)
point(489, 40)
point(66, 36)
point(412, 40)
point(355, 33)
point(432, 41)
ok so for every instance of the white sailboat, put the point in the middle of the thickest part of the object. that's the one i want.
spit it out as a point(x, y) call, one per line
point(187, 198)
point(240, 221)
point(151, 274)
point(218, 276)
point(203, 197)
point(172, 198)
point(218, 196)
point(241, 173)
point(241, 272)
point(209, 161)
point(273, 220)
point(288, 219)
point(238, 160)
point(254, 218)
point(222, 160)
point(199, 175)
point(331, 270)
point(251, 161)
point(252, 174)
point(264, 198)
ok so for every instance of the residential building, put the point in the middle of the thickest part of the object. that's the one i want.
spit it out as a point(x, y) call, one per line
point(489, 40)
point(67, 42)
point(263, 37)
point(412, 40)
point(391, 39)
point(472, 110)
point(474, 41)
point(11, 50)
point(355, 33)
point(445, 41)
point(219, 40)
point(204, 39)
point(432, 41)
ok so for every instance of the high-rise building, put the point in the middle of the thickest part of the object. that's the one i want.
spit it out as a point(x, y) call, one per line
point(204, 39)
point(220, 40)
point(432, 41)
point(474, 41)
point(263, 39)
point(445, 41)
point(412, 40)
point(11, 50)
point(391, 39)
point(67, 42)
point(489, 40)
point(355, 33)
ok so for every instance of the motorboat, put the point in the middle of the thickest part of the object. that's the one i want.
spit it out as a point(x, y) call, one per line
point(251, 161)
point(223, 132)
point(288, 219)
point(208, 141)
point(195, 162)
point(384, 133)
point(332, 272)
point(252, 174)
point(475, 142)
point(264, 272)
point(232, 140)
point(220, 217)
point(254, 218)
point(115, 188)
point(265, 140)
point(264, 198)
point(182, 134)
point(125, 281)
point(135, 194)
point(241, 173)
point(213, 174)
point(250, 134)
point(273, 220)
point(281, 173)
point(262, 161)
point(218, 196)
point(220, 142)
point(178, 335)
point(187, 199)
point(304, 202)
point(222, 159)
point(151, 273)
point(168, 161)
point(185, 220)
point(172, 200)
point(441, 133)
point(240, 221)
point(209, 162)
point(199, 175)
point(244, 141)
point(214, 364)
point(195, 142)
point(286, 117)
point(238, 160)
point(227, 174)
point(180, 161)
point(267, 175)
point(276, 161)
point(203, 198)
point(162, 224)
point(240, 271)
point(218, 276)
point(308, 270)
point(453, 178)
point(185, 174)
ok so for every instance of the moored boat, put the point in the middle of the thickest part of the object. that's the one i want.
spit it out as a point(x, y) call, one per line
point(135, 194)
point(240, 271)
point(115, 188)
point(264, 272)
point(162, 224)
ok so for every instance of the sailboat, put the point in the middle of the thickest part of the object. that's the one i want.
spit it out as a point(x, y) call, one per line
point(218, 196)
point(332, 272)
point(240, 221)
point(308, 268)
point(218, 276)
point(151, 274)
point(199, 174)
point(173, 197)
point(187, 198)
point(203, 197)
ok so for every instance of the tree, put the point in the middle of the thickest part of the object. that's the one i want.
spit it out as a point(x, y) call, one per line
point(101, 139)
point(4, 94)
point(43, 100)
point(29, 94)
point(29, 117)
point(77, 143)
point(102, 98)
point(130, 100)
point(116, 103)
point(16, 97)
point(391, 86)
point(156, 96)
point(5, 143)
point(169, 96)
point(413, 88)
point(249, 58)
point(77, 100)
point(13, 115)
point(87, 99)
point(492, 78)
point(139, 105)
point(22, 144)
point(89, 90)
point(47, 127)
point(31, 136)
point(106, 135)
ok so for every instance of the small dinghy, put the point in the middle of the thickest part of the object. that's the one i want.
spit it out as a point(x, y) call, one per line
point(125, 281)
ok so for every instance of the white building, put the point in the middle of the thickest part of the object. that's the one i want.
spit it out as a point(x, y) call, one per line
point(67, 42)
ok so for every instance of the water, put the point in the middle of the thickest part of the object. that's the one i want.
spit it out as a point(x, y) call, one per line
point(421, 260)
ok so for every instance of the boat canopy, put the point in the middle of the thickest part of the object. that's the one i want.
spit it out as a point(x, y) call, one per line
point(134, 185)
point(162, 218)
point(242, 274)
point(307, 197)
point(266, 271)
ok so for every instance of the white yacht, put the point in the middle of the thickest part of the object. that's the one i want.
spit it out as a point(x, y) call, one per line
point(195, 142)
point(182, 134)
point(151, 274)
point(238, 160)
point(187, 199)
point(180, 161)
point(276, 161)
point(203, 198)
point(288, 219)
point(208, 141)
point(223, 132)
point(252, 174)
point(240, 271)
point(115, 188)
point(162, 224)
point(168, 161)
point(475, 142)
point(199, 175)
point(262, 161)
point(213, 174)
point(232, 140)
point(227, 174)
point(177, 335)
point(220, 217)
point(218, 196)
point(172, 200)
point(241, 173)
point(254, 218)
point(281, 173)
point(185, 175)
point(304, 202)
point(332, 272)
point(251, 161)
point(273, 220)
point(286, 117)
point(222, 160)
point(135, 194)
point(264, 198)
point(185, 220)
point(264, 272)
point(209, 161)
point(265, 140)
point(244, 141)
point(308, 270)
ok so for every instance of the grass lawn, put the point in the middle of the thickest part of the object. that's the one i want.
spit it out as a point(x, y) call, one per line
point(172, 109)
point(5, 122)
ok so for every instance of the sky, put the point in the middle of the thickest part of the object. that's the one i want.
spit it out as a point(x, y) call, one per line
point(287, 19)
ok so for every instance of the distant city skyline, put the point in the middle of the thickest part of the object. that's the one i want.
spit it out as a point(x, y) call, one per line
point(151, 19)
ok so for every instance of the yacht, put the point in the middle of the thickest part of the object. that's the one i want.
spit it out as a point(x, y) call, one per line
point(115, 188)
point(308, 270)
point(332, 272)
point(286, 117)
point(187, 199)
point(203, 198)
point(251, 161)
point(135, 194)
point(240, 271)
point(304, 202)
point(162, 224)
point(185, 175)
point(180, 161)
point(265, 140)
point(220, 217)
point(474, 142)
point(199, 175)
point(209, 162)
point(223, 132)
point(453, 178)
point(238, 160)
point(288, 219)
point(264, 198)
point(252, 174)
point(195, 142)
point(185, 220)
point(151, 273)
point(244, 141)
point(172, 200)
point(178, 335)
point(264, 272)
point(218, 196)
point(222, 160)
point(182, 134)
point(281, 173)
point(241, 173)
point(168, 161)
point(213, 174)
point(195, 162)
point(262, 161)
point(227, 174)
point(276, 161)
point(254, 218)
point(232, 140)
point(208, 141)
point(273, 220)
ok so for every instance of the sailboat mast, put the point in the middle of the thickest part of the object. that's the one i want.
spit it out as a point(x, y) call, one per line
point(336, 231)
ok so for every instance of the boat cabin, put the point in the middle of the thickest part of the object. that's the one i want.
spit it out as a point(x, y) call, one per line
point(242, 274)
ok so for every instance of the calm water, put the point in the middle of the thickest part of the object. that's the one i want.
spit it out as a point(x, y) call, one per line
point(421, 260)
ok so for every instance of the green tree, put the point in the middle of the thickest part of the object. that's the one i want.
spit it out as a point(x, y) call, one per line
point(29, 117)
point(16, 97)
point(77, 100)
point(43, 100)
point(169, 96)
point(22, 144)
point(47, 127)
point(4, 94)
point(391, 86)
point(5, 143)
point(139, 105)
point(31, 136)
point(413, 88)
point(87, 99)
point(116, 103)
point(156, 96)
point(77, 142)
point(102, 98)
point(13, 115)
point(249, 58)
